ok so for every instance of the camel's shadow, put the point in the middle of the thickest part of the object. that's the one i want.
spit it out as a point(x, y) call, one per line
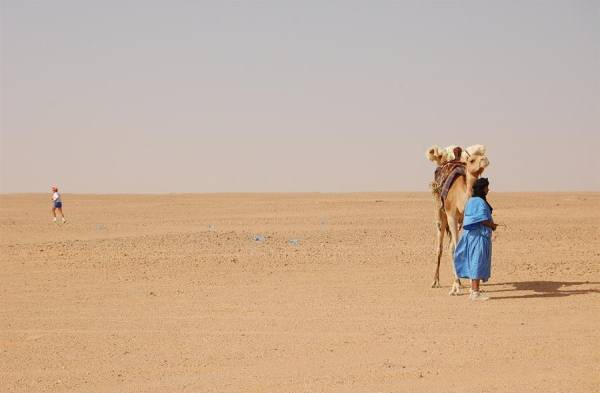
point(542, 289)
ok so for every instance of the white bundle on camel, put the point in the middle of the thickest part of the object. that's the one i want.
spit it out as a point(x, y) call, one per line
point(443, 155)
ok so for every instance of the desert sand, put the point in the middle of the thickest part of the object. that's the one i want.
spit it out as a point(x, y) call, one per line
point(171, 293)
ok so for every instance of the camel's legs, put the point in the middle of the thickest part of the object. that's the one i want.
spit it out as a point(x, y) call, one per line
point(453, 225)
point(441, 229)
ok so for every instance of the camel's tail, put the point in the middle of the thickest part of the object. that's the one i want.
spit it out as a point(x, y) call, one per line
point(436, 189)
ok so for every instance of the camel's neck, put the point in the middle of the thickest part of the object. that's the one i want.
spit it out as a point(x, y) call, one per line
point(460, 191)
point(470, 182)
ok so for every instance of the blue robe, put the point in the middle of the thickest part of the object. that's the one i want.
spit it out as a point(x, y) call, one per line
point(473, 254)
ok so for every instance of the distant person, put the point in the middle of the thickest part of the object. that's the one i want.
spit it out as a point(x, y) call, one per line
point(57, 204)
point(473, 255)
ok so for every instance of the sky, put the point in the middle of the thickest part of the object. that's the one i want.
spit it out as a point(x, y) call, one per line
point(295, 96)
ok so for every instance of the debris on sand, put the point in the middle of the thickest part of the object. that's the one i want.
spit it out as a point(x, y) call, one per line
point(323, 224)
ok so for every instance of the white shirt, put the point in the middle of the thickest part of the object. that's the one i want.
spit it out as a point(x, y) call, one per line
point(56, 197)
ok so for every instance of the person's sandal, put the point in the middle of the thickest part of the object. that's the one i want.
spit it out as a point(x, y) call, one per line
point(478, 296)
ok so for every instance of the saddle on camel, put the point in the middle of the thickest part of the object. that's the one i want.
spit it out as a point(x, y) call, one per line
point(446, 174)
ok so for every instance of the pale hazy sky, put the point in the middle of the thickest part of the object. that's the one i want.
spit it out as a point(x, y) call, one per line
point(210, 96)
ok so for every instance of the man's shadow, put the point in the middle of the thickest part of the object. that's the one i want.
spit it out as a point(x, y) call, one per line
point(542, 289)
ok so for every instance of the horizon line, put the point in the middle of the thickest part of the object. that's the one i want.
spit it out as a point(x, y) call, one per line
point(288, 192)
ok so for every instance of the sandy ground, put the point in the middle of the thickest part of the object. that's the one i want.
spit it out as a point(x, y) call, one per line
point(171, 294)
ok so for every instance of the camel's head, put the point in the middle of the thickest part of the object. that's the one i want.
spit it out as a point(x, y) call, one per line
point(478, 150)
point(476, 164)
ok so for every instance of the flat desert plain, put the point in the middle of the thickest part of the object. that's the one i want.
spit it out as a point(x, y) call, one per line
point(293, 293)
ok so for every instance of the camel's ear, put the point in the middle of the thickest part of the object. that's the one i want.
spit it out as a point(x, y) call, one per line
point(433, 153)
point(477, 150)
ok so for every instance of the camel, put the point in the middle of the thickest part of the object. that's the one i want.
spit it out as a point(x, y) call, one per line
point(450, 214)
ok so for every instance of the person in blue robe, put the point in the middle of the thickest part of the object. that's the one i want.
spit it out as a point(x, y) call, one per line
point(473, 254)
